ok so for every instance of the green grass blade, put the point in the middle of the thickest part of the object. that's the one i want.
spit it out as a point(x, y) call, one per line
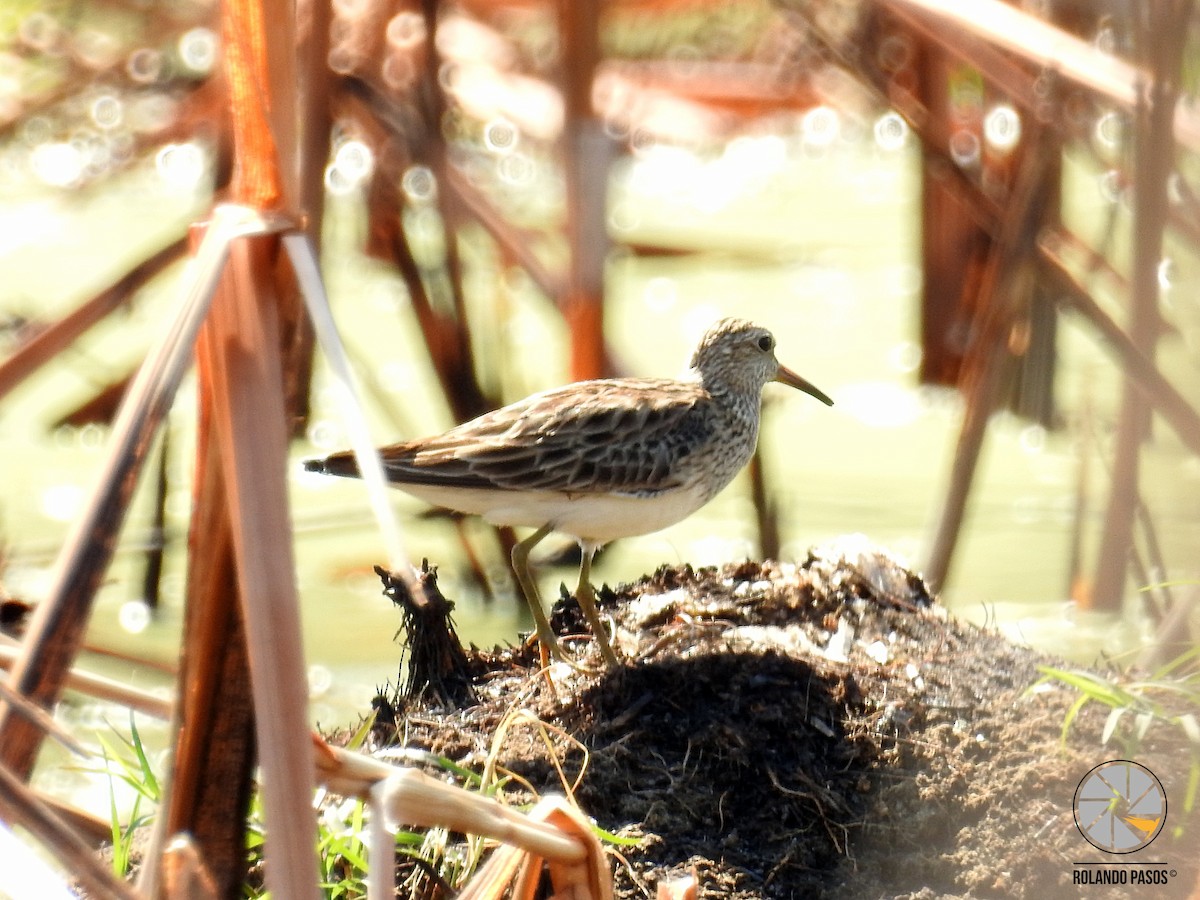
point(152, 789)
point(1092, 686)
point(1071, 714)
point(114, 821)
point(117, 766)
point(616, 839)
point(1177, 663)
point(1193, 785)
point(362, 732)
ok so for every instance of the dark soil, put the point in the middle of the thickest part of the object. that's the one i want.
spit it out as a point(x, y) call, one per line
point(821, 729)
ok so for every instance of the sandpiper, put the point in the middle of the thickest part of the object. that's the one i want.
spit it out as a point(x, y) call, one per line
point(598, 460)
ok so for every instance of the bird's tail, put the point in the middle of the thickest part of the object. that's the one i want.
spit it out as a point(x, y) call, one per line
point(343, 464)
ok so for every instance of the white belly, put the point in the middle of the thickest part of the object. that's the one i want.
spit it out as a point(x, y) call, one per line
point(598, 518)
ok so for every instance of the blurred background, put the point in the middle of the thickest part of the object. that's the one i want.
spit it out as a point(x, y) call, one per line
point(974, 225)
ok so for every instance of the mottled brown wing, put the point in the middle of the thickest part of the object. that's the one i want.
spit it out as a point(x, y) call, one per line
point(617, 435)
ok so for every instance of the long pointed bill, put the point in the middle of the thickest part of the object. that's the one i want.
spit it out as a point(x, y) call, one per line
point(791, 379)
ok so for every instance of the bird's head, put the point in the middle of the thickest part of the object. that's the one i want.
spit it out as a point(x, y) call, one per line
point(738, 355)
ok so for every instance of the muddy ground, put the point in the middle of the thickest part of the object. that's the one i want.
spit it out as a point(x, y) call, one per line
point(819, 729)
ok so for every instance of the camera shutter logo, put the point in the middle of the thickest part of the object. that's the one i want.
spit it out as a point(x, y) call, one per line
point(1120, 806)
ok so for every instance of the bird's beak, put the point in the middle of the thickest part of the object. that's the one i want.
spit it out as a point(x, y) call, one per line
point(790, 378)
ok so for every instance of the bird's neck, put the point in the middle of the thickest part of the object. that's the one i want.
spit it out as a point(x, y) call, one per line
point(740, 410)
point(738, 416)
point(733, 397)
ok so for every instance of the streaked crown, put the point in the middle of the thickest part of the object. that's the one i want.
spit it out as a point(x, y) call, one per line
point(736, 356)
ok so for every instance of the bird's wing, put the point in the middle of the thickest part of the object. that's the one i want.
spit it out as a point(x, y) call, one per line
point(626, 436)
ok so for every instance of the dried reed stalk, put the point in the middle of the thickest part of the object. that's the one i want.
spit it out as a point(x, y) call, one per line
point(1155, 388)
point(1154, 158)
point(587, 155)
point(41, 719)
point(209, 789)
point(101, 688)
point(1053, 50)
point(50, 341)
point(242, 356)
point(52, 640)
point(1003, 290)
point(56, 629)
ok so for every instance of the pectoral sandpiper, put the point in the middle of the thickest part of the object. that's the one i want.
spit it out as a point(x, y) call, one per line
point(598, 460)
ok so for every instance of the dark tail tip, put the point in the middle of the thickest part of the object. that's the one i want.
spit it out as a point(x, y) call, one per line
point(342, 463)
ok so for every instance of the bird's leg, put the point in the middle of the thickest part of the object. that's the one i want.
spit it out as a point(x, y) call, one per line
point(587, 602)
point(520, 562)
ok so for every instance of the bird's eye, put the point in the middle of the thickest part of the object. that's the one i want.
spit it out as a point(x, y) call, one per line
point(766, 343)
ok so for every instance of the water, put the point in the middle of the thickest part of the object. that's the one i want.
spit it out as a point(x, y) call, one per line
point(821, 247)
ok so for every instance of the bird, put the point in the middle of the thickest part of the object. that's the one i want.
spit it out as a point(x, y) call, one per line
point(598, 460)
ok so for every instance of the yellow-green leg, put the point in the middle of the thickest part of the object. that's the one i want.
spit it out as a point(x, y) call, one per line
point(520, 561)
point(587, 602)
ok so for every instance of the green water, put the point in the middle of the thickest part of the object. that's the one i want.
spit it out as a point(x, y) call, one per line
point(820, 247)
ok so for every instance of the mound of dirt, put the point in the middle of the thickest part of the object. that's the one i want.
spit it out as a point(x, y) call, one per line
point(821, 729)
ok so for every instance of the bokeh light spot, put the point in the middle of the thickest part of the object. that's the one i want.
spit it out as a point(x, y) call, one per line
point(1033, 439)
point(405, 30)
point(198, 50)
point(964, 148)
point(57, 163)
point(134, 616)
point(660, 294)
point(60, 502)
point(320, 680)
point(144, 65)
point(1002, 128)
point(107, 112)
point(500, 135)
point(181, 165)
point(418, 184)
point(1109, 130)
point(820, 126)
point(891, 131)
point(1167, 272)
